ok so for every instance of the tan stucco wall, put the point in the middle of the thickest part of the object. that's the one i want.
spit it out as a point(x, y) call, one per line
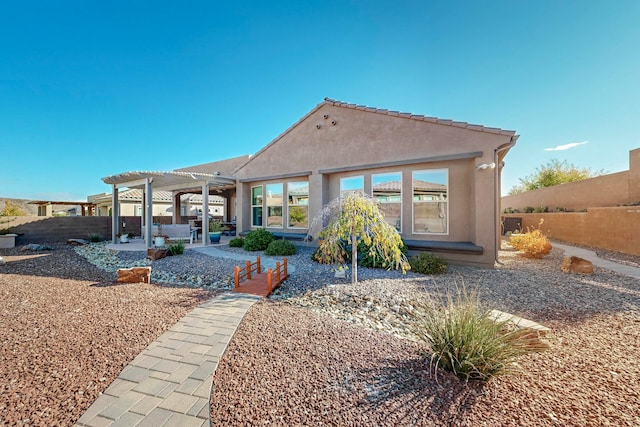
point(613, 228)
point(363, 143)
point(607, 190)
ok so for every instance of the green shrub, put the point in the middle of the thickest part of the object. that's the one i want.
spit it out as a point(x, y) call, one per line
point(258, 240)
point(465, 339)
point(236, 242)
point(95, 237)
point(281, 248)
point(369, 258)
point(177, 248)
point(366, 256)
point(529, 209)
point(427, 263)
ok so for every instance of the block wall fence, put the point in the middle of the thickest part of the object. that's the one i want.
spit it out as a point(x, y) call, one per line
point(621, 188)
point(612, 228)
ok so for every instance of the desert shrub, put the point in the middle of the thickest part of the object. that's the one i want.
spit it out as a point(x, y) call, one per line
point(258, 240)
point(427, 263)
point(281, 248)
point(95, 237)
point(541, 209)
point(533, 243)
point(529, 209)
point(236, 242)
point(177, 248)
point(465, 339)
point(11, 209)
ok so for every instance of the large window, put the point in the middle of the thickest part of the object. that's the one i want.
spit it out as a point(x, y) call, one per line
point(274, 205)
point(298, 204)
point(256, 206)
point(430, 201)
point(387, 190)
point(351, 184)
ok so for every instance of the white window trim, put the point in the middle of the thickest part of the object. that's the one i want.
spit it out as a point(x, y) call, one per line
point(266, 201)
point(413, 202)
point(290, 206)
point(255, 206)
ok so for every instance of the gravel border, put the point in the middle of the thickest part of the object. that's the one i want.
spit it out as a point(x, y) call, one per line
point(321, 350)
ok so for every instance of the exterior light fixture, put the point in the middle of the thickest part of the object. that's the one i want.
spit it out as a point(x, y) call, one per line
point(486, 166)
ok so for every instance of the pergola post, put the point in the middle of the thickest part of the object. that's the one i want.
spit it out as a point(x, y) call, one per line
point(177, 207)
point(205, 214)
point(115, 214)
point(148, 212)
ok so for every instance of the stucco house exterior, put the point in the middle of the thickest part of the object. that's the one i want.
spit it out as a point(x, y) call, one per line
point(438, 181)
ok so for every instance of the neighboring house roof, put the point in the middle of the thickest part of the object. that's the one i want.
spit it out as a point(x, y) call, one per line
point(417, 184)
point(410, 116)
point(428, 186)
point(135, 195)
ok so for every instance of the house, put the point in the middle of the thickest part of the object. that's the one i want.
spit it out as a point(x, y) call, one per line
point(131, 203)
point(438, 181)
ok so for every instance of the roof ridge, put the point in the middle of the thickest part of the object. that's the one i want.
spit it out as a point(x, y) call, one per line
point(420, 117)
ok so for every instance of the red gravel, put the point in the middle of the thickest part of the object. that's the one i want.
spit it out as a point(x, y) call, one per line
point(67, 330)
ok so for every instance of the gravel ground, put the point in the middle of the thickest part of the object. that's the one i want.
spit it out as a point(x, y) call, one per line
point(67, 330)
point(343, 354)
point(320, 351)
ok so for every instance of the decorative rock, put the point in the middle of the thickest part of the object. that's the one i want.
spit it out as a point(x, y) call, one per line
point(134, 275)
point(2, 261)
point(156, 254)
point(35, 247)
point(77, 242)
point(576, 264)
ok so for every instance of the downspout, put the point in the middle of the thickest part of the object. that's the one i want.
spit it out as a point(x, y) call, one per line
point(496, 190)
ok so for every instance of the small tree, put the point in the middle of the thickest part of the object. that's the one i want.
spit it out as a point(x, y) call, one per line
point(553, 173)
point(11, 209)
point(352, 218)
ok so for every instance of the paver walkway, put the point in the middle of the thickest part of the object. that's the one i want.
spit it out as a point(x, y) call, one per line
point(169, 383)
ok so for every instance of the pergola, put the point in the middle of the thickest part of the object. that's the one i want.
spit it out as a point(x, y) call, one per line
point(174, 181)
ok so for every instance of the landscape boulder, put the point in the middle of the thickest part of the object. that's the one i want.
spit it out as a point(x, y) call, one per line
point(574, 264)
point(156, 254)
point(134, 275)
point(77, 242)
point(2, 261)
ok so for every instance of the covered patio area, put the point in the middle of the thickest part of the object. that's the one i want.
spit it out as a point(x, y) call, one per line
point(179, 183)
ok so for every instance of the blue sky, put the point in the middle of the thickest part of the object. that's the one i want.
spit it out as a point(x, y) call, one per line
point(90, 89)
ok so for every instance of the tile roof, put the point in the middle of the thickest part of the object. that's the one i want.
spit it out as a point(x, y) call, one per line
point(419, 117)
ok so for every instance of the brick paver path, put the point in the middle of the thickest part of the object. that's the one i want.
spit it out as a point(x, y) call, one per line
point(169, 383)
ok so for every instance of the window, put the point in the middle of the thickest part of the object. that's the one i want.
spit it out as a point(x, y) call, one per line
point(351, 184)
point(298, 204)
point(274, 205)
point(430, 201)
point(256, 206)
point(387, 190)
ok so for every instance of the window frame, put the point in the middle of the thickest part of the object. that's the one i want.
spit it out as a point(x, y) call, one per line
point(399, 202)
point(261, 206)
point(268, 206)
point(414, 202)
point(290, 205)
